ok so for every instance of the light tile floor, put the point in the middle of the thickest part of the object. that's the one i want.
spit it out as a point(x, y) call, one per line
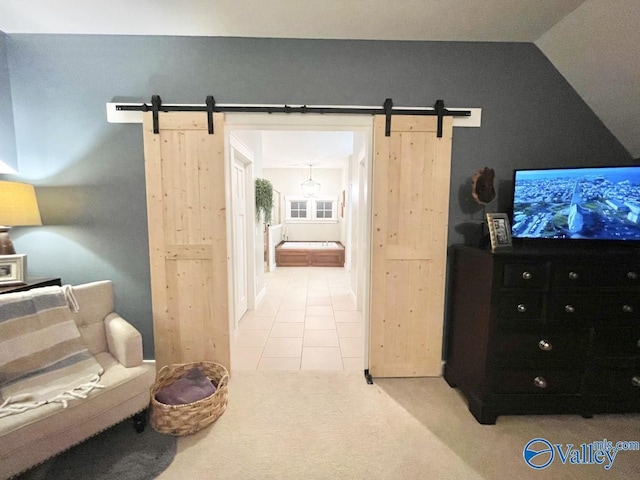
point(307, 320)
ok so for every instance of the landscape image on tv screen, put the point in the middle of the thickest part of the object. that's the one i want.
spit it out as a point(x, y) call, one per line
point(580, 203)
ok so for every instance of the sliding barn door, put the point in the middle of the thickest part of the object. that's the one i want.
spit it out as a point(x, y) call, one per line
point(411, 175)
point(187, 238)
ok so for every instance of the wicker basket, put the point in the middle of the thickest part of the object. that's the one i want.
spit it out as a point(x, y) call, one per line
point(186, 419)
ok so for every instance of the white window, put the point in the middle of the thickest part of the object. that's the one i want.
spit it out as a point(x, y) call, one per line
point(298, 209)
point(324, 209)
point(312, 210)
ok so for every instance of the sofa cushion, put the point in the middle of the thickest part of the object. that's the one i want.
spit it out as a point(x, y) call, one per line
point(18, 431)
point(53, 429)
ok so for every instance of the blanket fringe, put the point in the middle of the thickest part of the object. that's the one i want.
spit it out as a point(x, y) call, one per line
point(70, 297)
point(9, 406)
point(81, 391)
point(20, 403)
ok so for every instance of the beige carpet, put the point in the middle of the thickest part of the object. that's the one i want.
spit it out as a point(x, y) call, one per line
point(323, 425)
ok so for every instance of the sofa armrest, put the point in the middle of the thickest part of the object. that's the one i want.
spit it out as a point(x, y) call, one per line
point(123, 340)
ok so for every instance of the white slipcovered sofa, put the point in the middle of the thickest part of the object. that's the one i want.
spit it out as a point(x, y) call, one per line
point(30, 437)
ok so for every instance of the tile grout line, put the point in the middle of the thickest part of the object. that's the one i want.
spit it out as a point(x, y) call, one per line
point(322, 283)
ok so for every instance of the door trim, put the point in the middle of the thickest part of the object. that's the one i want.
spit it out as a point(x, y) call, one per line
point(239, 151)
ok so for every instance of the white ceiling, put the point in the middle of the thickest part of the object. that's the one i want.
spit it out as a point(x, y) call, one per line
point(597, 49)
point(477, 20)
point(299, 149)
point(595, 44)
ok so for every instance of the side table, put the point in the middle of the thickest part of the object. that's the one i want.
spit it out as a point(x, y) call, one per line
point(32, 282)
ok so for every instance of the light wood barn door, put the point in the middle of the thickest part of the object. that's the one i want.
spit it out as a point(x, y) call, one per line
point(187, 238)
point(410, 205)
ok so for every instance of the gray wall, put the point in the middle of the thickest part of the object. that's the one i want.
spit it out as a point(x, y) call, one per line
point(7, 132)
point(91, 174)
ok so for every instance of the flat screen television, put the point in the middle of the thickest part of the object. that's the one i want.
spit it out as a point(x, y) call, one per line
point(586, 204)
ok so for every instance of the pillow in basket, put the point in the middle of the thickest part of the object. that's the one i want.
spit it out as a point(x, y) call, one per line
point(192, 387)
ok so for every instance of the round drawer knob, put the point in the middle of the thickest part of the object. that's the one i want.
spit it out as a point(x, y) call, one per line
point(522, 308)
point(573, 275)
point(542, 383)
point(545, 346)
point(527, 275)
point(632, 275)
point(627, 309)
point(569, 309)
point(635, 381)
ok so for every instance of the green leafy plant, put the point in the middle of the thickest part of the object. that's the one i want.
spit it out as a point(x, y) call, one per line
point(264, 199)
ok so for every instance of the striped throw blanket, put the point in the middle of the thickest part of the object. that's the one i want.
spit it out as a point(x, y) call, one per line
point(43, 358)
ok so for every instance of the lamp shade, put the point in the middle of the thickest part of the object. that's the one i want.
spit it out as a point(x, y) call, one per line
point(18, 205)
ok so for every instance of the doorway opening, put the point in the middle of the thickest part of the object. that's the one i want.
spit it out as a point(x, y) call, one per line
point(299, 318)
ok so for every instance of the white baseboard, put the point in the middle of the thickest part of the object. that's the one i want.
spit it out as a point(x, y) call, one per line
point(261, 295)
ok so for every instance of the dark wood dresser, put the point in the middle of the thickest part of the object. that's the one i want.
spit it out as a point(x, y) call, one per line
point(541, 331)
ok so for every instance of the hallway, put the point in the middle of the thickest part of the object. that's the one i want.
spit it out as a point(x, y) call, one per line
point(306, 321)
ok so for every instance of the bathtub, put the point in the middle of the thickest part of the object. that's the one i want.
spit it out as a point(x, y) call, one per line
point(309, 254)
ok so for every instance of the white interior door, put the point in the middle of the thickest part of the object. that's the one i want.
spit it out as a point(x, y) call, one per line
point(240, 217)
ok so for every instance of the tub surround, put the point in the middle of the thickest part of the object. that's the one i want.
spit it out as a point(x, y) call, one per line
point(310, 254)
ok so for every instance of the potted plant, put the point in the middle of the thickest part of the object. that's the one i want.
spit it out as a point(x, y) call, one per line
point(264, 199)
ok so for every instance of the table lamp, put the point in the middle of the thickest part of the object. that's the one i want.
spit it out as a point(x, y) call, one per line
point(18, 207)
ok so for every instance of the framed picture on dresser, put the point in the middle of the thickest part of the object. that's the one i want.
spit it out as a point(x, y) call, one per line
point(499, 231)
point(13, 269)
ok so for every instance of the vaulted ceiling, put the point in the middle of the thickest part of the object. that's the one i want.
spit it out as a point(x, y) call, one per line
point(595, 44)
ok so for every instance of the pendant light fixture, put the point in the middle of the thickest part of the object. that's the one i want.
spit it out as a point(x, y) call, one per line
point(310, 188)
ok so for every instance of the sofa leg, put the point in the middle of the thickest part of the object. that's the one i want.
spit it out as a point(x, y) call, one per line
point(140, 421)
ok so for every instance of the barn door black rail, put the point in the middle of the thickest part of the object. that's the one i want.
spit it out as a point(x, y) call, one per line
point(210, 107)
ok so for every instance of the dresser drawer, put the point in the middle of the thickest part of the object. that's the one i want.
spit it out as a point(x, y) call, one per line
point(525, 275)
point(537, 381)
point(593, 275)
point(513, 348)
point(620, 378)
point(615, 342)
point(524, 306)
point(597, 306)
